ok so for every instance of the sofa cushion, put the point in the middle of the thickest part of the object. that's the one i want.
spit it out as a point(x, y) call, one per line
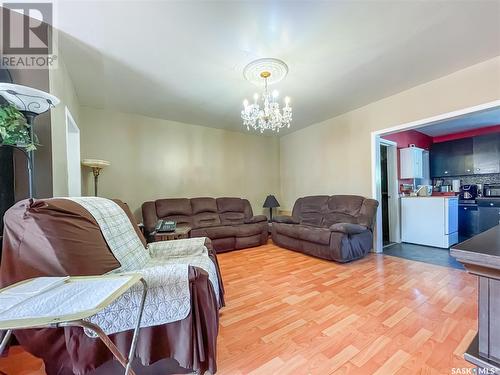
point(304, 232)
point(348, 204)
point(310, 210)
point(338, 217)
point(175, 206)
point(348, 228)
point(313, 234)
point(285, 220)
point(214, 232)
point(199, 205)
point(256, 219)
point(230, 205)
point(246, 230)
point(343, 209)
point(290, 230)
point(206, 219)
point(232, 218)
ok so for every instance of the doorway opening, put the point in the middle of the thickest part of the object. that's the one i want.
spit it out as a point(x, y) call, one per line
point(446, 127)
point(73, 156)
point(389, 192)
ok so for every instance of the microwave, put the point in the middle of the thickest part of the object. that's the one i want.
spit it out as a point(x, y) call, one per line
point(492, 190)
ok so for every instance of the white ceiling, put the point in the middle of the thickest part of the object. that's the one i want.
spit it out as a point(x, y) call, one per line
point(183, 61)
point(459, 124)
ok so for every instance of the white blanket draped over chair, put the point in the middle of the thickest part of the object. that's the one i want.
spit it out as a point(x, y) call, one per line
point(164, 266)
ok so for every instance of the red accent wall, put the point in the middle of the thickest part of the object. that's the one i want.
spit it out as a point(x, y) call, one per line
point(466, 134)
point(406, 138)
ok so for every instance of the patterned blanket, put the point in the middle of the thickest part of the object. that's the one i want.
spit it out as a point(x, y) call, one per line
point(164, 266)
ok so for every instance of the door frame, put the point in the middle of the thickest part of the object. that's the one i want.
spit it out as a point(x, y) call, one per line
point(375, 151)
point(392, 189)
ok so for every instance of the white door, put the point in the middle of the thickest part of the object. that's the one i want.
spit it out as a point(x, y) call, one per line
point(73, 156)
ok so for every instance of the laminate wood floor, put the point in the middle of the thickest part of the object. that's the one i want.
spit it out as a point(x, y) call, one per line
point(288, 313)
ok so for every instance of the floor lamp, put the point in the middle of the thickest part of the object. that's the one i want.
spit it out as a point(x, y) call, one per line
point(96, 165)
point(31, 103)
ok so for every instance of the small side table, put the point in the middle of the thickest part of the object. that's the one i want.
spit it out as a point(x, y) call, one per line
point(67, 317)
point(180, 232)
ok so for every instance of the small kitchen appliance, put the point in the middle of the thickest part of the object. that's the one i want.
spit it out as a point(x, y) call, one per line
point(445, 188)
point(468, 192)
point(491, 190)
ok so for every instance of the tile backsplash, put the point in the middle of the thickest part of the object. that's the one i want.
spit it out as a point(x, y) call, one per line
point(493, 178)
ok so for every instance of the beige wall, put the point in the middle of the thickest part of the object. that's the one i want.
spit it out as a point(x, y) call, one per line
point(334, 156)
point(153, 158)
point(61, 86)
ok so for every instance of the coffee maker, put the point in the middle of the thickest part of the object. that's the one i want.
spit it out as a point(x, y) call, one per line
point(468, 193)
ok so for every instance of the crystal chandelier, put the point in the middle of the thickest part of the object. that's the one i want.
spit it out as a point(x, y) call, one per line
point(266, 115)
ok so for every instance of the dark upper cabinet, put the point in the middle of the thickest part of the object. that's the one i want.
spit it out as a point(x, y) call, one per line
point(487, 153)
point(439, 160)
point(453, 158)
point(478, 155)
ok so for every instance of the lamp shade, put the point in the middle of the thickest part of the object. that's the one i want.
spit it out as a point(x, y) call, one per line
point(28, 99)
point(271, 202)
point(95, 163)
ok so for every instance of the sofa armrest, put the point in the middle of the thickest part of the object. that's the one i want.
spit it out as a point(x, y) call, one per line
point(285, 220)
point(256, 219)
point(149, 216)
point(348, 228)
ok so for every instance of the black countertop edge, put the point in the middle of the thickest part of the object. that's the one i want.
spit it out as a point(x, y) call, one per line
point(482, 260)
point(472, 355)
point(482, 250)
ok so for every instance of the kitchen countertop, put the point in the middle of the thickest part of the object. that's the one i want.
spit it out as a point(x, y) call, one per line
point(481, 250)
point(434, 196)
point(480, 256)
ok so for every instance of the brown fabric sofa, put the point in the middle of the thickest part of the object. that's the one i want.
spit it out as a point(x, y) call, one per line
point(228, 222)
point(337, 227)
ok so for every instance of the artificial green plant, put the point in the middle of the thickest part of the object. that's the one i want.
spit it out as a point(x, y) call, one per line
point(14, 129)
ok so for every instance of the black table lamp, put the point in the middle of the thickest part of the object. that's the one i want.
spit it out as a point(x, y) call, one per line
point(271, 202)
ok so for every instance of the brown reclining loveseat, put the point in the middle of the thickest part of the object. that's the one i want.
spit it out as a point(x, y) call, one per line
point(228, 222)
point(337, 227)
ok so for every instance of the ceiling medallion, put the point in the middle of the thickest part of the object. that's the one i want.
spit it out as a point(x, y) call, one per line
point(264, 72)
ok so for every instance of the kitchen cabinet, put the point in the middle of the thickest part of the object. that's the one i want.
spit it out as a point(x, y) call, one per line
point(453, 158)
point(411, 162)
point(489, 213)
point(477, 155)
point(486, 153)
point(468, 220)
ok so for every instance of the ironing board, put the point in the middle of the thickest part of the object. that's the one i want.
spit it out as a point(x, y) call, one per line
point(113, 286)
